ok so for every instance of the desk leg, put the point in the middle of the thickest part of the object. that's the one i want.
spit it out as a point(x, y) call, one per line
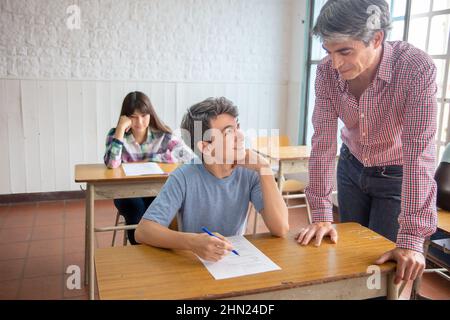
point(415, 292)
point(280, 176)
point(87, 219)
point(392, 288)
point(90, 216)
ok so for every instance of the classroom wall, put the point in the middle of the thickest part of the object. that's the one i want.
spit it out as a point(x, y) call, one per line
point(61, 89)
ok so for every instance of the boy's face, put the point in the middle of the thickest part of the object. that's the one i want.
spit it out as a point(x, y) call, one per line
point(227, 144)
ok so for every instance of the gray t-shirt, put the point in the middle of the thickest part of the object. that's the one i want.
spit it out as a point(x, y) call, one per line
point(203, 200)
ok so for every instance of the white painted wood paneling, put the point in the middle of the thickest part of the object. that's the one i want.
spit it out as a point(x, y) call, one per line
point(46, 127)
point(117, 96)
point(63, 169)
point(5, 183)
point(76, 127)
point(16, 145)
point(31, 142)
point(46, 135)
point(103, 115)
point(90, 142)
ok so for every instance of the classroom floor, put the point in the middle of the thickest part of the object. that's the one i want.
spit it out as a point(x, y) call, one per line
point(39, 240)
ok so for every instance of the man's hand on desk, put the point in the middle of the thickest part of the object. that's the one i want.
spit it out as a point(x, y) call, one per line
point(317, 230)
point(210, 248)
point(410, 263)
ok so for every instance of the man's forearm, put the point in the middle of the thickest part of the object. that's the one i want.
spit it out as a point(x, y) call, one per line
point(319, 191)
point(418, 217)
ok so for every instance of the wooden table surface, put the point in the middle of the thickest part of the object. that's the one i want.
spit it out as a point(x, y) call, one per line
point(104, 183)
point(286, 153)
point(144, 272)
point(100, 173)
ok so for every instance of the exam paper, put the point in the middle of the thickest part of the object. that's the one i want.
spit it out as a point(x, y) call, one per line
point(141, 169)
point(249, 261)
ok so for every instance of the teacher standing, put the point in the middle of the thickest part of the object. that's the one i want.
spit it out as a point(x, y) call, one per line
point(385, 94)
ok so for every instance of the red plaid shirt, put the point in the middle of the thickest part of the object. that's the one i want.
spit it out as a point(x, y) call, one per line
point(394, 123)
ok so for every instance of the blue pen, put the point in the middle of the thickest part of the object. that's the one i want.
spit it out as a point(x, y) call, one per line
point(213, 235)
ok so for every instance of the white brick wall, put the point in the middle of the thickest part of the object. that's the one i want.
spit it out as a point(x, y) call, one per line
point(61, 90)
point(156, 40)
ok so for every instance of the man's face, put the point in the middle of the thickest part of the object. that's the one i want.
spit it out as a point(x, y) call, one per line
point(227, 144)
point(350, 57)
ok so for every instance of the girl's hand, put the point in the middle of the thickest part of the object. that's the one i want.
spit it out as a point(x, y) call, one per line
point(124, 124)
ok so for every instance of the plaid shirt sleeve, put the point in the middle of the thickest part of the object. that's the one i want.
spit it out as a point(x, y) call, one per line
point(113, 153)
point(323, 152)
point(418, 218)
point(177, 151)
point(172, 150)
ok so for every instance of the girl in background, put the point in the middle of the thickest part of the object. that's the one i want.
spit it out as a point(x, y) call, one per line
point(141, 136)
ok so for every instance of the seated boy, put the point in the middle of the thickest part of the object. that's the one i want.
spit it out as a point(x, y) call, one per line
point(215, 192)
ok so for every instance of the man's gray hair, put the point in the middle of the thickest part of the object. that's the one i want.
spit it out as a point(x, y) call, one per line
point(356, 19)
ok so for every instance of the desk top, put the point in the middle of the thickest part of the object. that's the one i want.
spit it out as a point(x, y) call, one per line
point(144, 272)
point(444, 220)
point(286, 153)
point(100, 173)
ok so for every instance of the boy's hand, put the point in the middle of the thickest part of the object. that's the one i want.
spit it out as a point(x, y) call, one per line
point(254, 161)
point(210, 248)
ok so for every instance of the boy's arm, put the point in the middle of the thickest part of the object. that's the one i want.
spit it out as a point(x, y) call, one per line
point(275, 212)
point(206, 247)
point(153, 234)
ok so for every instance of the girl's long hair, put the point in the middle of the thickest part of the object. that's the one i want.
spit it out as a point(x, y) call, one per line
point(138, 101)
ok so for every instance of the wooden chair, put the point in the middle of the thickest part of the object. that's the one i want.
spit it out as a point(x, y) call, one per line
point(269, 143)
point(442, 269)
point(120, 225)
point(290, 188)
point(120, 222)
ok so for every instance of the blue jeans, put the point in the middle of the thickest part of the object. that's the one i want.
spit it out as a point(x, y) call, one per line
point(369, 196)
point(132, 210)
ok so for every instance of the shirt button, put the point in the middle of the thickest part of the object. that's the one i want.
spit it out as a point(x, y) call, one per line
point(362, 115)
point(363, 134)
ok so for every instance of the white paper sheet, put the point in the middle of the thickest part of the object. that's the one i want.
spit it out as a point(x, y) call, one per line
point(141, 169)
point(250, 261)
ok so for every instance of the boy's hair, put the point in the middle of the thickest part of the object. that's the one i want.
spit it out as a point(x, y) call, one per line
point(200, 116)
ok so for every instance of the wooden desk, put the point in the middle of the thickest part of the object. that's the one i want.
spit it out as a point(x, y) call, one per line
point(290, 159)
point(328, 272)
point(444, 221)
point(104, 183)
